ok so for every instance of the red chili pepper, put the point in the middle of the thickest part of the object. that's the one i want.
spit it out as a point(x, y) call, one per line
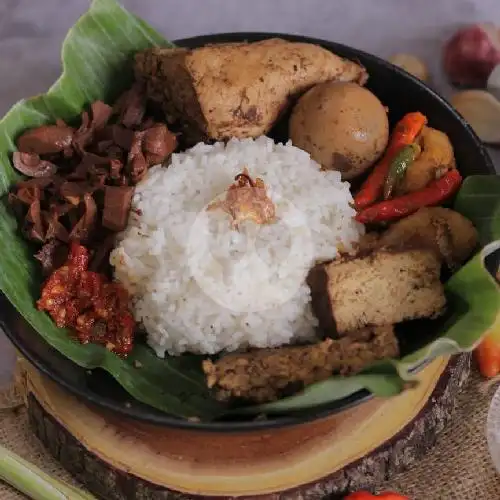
point(487, 354)
point(404, 134)
point(366, 495)
point(78, 256)
point(433, 194)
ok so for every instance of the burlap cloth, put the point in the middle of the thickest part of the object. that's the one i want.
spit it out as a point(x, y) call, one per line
point(458, 467)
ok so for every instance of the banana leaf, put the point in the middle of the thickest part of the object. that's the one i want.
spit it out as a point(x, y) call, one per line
point(96, 57)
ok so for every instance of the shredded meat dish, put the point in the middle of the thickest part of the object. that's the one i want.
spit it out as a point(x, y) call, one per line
point(81, 178)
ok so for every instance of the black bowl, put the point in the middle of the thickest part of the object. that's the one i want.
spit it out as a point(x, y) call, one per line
point(396, 89)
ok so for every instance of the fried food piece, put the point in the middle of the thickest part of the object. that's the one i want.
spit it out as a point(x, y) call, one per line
point(247, 199)
point(448, 233)
point(366, 243)
point(382, 286)
point(265, 375)
point(436, 158)
point(236, 89)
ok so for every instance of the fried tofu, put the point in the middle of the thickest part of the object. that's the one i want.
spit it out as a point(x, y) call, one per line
point(383, 286)
point(448, 233)
point(265, 375)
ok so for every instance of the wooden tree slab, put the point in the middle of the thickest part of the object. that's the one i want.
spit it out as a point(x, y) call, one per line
point(121, 459)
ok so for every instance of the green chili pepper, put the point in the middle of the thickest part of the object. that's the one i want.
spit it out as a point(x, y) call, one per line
point(398, 167)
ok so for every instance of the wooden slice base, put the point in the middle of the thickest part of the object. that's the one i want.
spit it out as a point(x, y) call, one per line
point(128, 460)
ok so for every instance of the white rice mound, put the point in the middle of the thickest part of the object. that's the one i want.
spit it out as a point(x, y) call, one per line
point(199, 286)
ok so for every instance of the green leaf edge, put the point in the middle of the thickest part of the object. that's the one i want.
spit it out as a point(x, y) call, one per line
point(65, 100)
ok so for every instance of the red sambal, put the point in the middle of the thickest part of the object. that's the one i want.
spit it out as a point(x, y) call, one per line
point(86, 302)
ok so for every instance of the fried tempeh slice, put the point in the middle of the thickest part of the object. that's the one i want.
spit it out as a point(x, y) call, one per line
point(265, 375)
point(237, 89)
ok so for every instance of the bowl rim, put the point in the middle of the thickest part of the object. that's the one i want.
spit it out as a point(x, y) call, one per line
point(273, 422)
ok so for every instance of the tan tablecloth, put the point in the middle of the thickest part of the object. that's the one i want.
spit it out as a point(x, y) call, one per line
point(458, 468)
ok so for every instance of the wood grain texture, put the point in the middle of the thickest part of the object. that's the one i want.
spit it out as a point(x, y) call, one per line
point(360, 448)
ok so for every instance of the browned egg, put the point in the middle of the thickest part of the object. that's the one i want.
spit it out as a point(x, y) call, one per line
point(343, 126)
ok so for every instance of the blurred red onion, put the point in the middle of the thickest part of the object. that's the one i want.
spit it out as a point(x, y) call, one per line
point(471, 54)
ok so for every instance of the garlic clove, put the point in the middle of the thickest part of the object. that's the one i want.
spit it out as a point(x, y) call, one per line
point(411, 64)
point(493, 83)
point(482, 110)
